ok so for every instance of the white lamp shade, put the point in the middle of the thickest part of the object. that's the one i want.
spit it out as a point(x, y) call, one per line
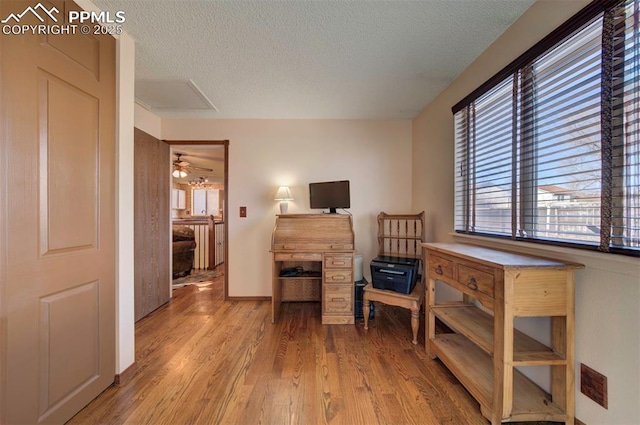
point(179, 172)
point(283, 194)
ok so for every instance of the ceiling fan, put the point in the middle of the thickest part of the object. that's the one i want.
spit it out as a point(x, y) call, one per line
point(182, 168)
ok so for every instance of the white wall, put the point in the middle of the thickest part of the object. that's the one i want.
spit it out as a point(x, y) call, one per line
point(147, 121)
point(125, 329)
point(264, 154)
point(125, 77)
point(607, 290)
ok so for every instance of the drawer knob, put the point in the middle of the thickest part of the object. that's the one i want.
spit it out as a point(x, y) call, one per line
point(473, 285)
point(439, 269)
point(339, 277)
point(337, 299)
point(339, 263)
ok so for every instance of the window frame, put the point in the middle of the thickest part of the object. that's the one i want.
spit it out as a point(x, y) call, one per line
point(521, 207)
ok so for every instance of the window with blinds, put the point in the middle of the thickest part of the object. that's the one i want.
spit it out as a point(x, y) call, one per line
point(548, 150)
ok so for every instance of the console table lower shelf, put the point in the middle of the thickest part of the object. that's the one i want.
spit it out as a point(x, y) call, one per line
point(474, 369)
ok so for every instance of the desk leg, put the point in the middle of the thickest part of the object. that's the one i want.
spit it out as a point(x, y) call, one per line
point(366, 308)
point(276, 290)
point(415, 316)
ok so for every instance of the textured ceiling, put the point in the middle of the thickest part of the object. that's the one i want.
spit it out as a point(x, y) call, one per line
point(368, 59)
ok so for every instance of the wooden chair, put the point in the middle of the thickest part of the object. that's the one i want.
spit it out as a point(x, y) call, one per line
point(399, 235)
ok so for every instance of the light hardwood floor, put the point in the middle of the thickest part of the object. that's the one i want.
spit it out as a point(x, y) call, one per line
point(204, 361)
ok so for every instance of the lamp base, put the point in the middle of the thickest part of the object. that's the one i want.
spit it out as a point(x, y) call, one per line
point(284, 207)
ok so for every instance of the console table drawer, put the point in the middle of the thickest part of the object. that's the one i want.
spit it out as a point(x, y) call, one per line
point(338, 261)
point(440, 266)
point(338, 276)
point(476, 280)
point(338, 299)
point(298, 256)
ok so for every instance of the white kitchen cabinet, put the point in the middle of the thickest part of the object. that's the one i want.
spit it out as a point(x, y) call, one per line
point(178, 197)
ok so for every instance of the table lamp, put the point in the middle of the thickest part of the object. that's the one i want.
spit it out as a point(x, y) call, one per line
point(283, 194)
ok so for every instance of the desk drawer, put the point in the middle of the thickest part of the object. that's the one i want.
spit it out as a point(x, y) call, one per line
point(476, 280)
point(440, 266)
point(298, 256)
point(338, 299)
point(338, 276)
point(338, 261)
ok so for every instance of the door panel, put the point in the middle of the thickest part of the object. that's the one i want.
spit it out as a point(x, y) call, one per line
point(152, 218)
point(69, 345)
point(82, 49)
point(58, 197)
point(68, 182)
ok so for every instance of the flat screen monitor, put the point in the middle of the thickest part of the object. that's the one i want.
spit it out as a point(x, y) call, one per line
point(330, 195)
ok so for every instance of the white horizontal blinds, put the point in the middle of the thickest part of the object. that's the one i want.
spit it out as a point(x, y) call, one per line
point(483, 163)
point(626, 144)
point(560, 147)
point(462, 134)
point(491, 161)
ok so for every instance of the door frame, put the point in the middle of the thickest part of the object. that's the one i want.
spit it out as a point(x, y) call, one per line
point(225, 143)
point(3, 254)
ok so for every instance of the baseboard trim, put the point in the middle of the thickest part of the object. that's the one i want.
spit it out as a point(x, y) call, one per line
point(126, 375)
point(248, 298)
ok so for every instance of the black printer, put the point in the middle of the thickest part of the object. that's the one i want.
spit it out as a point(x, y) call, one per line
point(397, 274)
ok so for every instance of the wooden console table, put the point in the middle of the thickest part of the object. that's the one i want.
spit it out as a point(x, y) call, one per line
point(321, 246)
point(485, 349)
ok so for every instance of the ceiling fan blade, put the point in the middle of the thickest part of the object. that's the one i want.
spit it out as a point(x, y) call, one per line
point(198, 168)
point(208, 158)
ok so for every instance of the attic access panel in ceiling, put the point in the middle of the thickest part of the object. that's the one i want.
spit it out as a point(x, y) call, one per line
point(172, 95)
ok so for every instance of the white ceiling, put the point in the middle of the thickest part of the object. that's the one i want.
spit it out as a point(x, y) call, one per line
point(366, 59)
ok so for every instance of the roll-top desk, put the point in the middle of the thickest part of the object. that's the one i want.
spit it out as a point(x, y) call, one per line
point(485, 348)
point(321, 247)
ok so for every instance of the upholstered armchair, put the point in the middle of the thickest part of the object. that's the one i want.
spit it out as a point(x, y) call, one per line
point(183, 247)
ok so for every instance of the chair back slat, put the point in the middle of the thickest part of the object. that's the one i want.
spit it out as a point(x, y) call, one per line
point(400, 235)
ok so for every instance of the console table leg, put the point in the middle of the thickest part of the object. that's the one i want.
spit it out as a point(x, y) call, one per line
point(415, 316)
point(366, 308)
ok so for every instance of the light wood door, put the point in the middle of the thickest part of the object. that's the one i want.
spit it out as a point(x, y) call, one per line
point(58, 239)
point(152, 219)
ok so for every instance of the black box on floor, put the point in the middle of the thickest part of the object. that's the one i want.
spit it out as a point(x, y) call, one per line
point(398, 274)
point(358, 303)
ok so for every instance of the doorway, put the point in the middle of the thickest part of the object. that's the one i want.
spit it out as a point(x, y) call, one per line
point(199, 212)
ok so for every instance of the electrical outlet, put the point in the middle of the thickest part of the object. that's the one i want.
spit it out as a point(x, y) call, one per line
point(594, 385)
point(243, 211)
